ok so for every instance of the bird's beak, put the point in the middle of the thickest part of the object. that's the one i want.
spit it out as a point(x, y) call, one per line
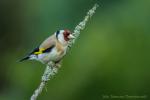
point(71, 36)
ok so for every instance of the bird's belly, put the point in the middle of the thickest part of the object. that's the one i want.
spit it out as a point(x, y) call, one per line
point(54, 55)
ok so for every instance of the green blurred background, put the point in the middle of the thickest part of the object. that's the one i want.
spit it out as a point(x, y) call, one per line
point(111, 56)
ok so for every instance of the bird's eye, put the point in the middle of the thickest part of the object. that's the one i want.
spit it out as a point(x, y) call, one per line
point(67, 33)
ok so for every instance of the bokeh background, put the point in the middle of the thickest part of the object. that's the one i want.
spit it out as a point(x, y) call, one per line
point(111, 56)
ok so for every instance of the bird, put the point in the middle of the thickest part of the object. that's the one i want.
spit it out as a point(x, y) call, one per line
point(53, 48)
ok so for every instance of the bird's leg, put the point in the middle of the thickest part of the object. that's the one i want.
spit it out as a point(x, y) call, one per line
point(58, 63)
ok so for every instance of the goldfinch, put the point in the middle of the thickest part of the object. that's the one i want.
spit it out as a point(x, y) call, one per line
point(52, 49)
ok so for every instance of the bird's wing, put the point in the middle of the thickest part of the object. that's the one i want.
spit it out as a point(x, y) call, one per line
point(34, 51)
point(38, 50)
point(48, 44)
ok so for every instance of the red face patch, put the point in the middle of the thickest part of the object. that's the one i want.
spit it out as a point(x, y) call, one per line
point(66, 34)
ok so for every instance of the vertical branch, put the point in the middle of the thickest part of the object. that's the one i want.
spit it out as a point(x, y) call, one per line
point(51, 68)
point(82, 24)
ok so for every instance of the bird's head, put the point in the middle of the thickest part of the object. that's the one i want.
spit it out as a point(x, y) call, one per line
point(63, 36)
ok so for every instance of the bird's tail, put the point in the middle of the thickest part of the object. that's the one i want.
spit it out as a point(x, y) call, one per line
point(25, 58)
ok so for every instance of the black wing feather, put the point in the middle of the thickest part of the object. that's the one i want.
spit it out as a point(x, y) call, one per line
point(36, 50)
point(28, 56)
point(48, 49)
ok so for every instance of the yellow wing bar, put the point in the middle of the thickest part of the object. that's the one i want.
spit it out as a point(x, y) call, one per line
point(40, 51)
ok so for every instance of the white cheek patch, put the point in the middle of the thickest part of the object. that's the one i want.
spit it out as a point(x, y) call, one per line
point(61, 38)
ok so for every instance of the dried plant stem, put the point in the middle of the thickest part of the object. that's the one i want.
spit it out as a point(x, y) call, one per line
point(51, 68)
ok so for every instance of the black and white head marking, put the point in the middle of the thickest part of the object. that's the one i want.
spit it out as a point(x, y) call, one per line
point(60, 37)
point(57, 33)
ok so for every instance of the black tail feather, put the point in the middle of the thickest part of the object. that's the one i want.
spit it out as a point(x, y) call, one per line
point(25, 58)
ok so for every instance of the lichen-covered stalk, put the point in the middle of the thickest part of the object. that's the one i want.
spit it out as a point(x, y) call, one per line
point(82, 24)
point(51, 68)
